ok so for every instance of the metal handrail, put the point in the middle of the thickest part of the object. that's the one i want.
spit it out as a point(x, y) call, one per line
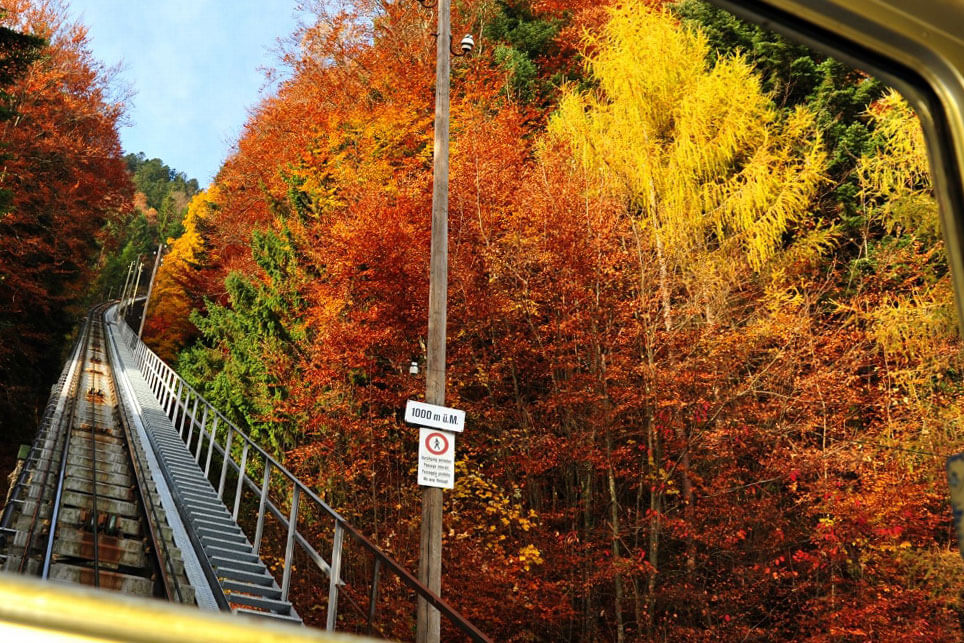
point(181, 403)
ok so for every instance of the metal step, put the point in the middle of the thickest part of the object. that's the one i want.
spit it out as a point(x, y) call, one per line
point(247, 588)
point(260, 602)
point(280, 617)
point(264, 578)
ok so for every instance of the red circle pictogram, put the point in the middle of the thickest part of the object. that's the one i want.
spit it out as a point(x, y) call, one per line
point(436, 443)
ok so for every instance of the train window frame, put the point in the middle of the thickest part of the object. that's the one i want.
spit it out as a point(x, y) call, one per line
point(907, 47)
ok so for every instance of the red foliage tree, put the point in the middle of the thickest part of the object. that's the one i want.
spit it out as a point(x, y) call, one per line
point(66, 175)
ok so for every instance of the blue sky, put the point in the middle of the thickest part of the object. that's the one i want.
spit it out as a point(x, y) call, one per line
point(194, 67)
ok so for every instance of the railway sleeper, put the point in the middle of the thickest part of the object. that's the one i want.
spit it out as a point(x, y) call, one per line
point(107, 579)
point(108, 505)
point(103, 489)
point(122, 525)
point(80, 442)
point(102, 460)
point(103, 468)
point(111, 552)
point(106, 452)
point(120, 479)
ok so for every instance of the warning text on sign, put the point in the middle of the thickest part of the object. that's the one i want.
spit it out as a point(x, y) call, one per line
point(436, 458)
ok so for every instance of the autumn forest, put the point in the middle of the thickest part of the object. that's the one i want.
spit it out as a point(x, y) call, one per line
point(700, 317)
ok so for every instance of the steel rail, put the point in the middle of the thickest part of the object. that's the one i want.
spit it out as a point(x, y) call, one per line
point(61, 478)
point(92, 424)
point(66, 421)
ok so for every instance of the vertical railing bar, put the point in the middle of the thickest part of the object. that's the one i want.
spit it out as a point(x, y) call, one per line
point(259, 529)
point(161, 377)
point(373, 597)
point(241, 476)
point(290, 546)
point(158, 373)
point(211, 439)
point(224, 462)
point(192, 423)
point(155, 372)
point(171, 383)
point(184, 423)
point(158, 376)
point(172, 412)
point(180, 410)
point(200, 434)
point(168, 392)
point(334, 575)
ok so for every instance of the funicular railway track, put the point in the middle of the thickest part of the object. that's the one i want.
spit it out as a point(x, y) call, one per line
point(90, 514)
point(123, 439)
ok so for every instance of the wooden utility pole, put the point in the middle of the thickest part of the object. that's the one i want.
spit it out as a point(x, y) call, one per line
point(150, 287)
point(125, 301)
point(127, 281)
point(135, 285)
point(430, 547)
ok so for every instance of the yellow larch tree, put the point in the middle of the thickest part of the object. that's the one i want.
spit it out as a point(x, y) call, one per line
point(708, 170)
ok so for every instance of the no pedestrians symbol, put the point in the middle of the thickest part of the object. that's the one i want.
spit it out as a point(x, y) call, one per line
point(437, 443)
point(436, 458)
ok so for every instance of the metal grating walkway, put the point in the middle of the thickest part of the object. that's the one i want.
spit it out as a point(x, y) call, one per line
point(225, 560)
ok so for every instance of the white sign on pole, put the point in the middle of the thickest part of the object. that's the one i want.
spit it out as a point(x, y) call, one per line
point(438, 417)
point(436, 458)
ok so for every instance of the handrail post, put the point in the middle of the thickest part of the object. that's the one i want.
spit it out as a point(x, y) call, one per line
point(200, 434)
point(290, 545)
point(172, 401)
point(224, 462)
point(259, 529)
point(180, 412)
point(155, 372)
point(151, 373)
point(373, 597)
point(192, 423)
point(334, 575)
point(212, 438)
point(241, 474)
